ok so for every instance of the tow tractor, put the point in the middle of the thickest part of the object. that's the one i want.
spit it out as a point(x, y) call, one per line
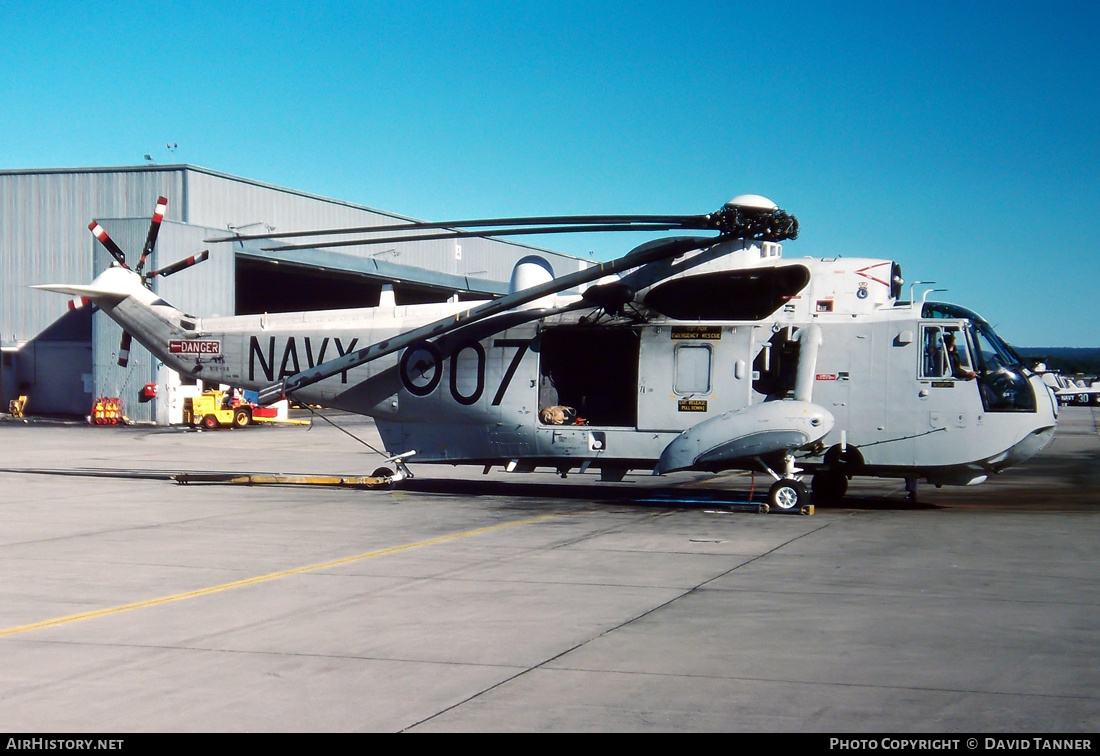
point(219, 409)
point(216, 409)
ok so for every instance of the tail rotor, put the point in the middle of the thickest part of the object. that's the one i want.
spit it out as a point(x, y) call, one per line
point(179, 265)
point(154, 230)
point(116, 251)
point(150, 242)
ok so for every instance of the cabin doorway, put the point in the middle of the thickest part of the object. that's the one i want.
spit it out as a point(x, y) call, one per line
point(593, 371)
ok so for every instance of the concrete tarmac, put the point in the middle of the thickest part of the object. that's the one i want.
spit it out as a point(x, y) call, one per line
point(462, 602)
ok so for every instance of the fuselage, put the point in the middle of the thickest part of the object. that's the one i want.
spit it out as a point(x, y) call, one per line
point(871, 393)
point(635, 386)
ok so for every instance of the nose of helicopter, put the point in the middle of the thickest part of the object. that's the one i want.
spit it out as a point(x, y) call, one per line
point(1035, 439)
point(1023, 450)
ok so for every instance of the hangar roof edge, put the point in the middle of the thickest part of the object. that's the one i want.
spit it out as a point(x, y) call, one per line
point(183, 167)
point(178, 167)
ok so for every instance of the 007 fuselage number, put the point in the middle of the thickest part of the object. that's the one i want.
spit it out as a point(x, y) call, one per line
point(421, 369)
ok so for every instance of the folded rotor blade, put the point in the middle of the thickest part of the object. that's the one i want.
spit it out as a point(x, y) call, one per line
point(768, 224)
point(100, 233)
point(624, 221)
point(179, 265)
point(473, 234)
point(646, 253)
point(154, 229)
point(124, 349)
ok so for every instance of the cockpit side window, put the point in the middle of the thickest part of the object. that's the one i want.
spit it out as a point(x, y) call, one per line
point(944, 353)
point(933, 362)
point(982, 356)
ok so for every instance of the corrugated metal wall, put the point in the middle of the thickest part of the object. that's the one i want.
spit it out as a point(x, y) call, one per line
point(44, 235)
point(217, 201)
point(44, 238)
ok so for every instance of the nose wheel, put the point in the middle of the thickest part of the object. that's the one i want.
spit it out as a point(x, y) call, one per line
point(788, 494)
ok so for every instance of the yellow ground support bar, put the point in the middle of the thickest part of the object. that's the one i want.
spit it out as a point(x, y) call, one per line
point(279, 421)
point(263, 578)
point(249, 479)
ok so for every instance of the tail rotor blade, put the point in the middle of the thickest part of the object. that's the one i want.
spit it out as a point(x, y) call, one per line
point(100, 233)
point(176, 267)
point(154, 229)
point(124, 349)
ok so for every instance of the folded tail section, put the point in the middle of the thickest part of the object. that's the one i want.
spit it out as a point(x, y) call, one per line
point(121, 294)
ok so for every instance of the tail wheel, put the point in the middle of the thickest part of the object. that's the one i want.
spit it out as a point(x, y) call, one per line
point(384, 472)
point(241, 418)
point(210, 422)
point(788, 494)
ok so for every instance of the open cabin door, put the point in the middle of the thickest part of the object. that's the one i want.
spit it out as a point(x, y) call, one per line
point(592, 372)
point(689, 373)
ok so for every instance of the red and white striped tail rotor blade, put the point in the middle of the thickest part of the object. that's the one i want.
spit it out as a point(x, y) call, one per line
point(100, 233)
point(124, 349)
point(78, 302)
point(154, 229)
point(176, 267)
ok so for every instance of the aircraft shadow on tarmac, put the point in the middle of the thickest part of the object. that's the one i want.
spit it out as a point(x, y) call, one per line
point(663, 497)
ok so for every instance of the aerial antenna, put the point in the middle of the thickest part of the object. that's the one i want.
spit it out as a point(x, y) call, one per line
point(913, 286)
point(924, 298)
point(237, 229)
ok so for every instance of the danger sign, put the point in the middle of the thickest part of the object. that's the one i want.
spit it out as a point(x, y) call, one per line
point(179, 346)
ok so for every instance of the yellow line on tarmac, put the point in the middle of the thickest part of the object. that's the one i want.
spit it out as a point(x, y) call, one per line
point(262, 578)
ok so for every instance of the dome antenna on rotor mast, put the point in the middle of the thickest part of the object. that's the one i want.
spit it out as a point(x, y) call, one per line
point(752, 202)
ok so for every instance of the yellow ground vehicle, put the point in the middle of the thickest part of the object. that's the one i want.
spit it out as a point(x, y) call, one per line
point(213, 409)
point(16, 406)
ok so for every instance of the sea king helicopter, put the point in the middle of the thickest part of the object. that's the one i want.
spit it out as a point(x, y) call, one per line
point(689, 353)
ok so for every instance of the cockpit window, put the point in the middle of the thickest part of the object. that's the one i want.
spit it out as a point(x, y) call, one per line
point(1006, 354)
point(945, 354)
point(992, 352)
point(980, 353)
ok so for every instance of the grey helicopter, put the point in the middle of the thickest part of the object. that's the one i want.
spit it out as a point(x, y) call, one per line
point(689, 353)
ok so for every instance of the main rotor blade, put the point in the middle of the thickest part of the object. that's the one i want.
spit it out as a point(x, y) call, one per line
point(646, 253)
point(474, 234)
point(100, 233)
point(154, 229)
point(179, 265)
point(670, 221)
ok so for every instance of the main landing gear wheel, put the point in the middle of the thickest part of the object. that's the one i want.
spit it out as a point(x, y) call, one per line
point(384, 472)
point(788, 494)
point(829, 488)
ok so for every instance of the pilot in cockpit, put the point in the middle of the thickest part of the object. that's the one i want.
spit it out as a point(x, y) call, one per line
point(960, 367)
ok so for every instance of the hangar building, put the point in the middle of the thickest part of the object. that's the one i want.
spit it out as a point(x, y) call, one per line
point(62, 360)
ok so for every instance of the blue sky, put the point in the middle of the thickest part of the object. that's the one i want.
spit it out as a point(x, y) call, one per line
point(960, 138)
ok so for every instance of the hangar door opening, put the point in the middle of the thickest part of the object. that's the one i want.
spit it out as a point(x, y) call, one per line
point(268, 286)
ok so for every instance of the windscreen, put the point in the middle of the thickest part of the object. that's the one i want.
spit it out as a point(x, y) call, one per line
point(1001, 375)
